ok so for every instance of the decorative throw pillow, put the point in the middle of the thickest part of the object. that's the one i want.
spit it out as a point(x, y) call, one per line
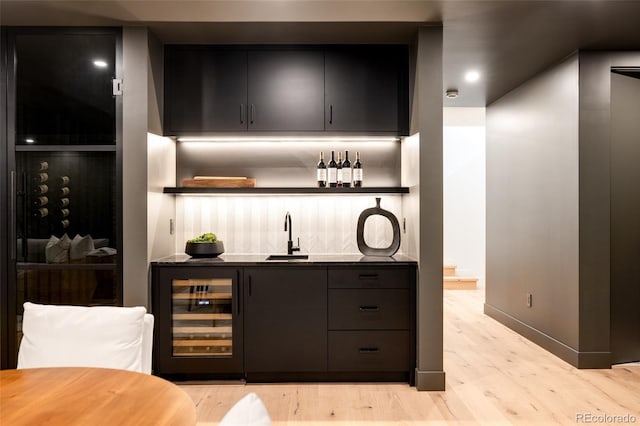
point(57, 249)
point(80, 247)
point(248, 411)
point(81, 336)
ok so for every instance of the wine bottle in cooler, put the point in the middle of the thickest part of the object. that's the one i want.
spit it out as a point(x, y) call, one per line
point(321, 172)
point(332, 171)
point(346, 170)
point(339, 170)
point(357, 171)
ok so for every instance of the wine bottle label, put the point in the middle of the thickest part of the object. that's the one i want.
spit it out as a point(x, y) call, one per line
point(339, 175)
point(322, 175)
point(346, 176)
point(357, 174)
point(333, 175)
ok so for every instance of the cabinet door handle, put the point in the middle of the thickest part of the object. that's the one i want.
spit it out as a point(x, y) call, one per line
point(12, 214)
point(331, 114)
point(236, 290)
point(369, 308)
point(368, 276)
point(253, 111)
point(368, 350)
point(250, 285)
point(241, 113)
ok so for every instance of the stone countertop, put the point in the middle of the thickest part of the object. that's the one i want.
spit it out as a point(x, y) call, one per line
point(260, 259)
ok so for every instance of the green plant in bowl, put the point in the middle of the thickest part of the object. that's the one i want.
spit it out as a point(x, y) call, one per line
point(206, 245)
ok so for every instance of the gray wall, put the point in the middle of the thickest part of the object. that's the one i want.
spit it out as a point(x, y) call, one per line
point(625, 211)
point(134, 165)
point(426, 120)
point(532, 208)
point(561, 257)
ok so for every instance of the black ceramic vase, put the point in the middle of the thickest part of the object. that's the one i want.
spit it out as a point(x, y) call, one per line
point(372, 251)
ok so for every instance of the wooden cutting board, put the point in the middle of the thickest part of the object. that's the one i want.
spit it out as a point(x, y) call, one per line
point(219, 182)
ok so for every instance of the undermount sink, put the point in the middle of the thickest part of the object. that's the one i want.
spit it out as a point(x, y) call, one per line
point(287, 256)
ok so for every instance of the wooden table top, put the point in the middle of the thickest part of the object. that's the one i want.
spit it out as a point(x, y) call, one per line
point(91, 396)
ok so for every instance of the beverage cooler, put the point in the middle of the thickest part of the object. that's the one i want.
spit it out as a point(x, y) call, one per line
point(61, 145)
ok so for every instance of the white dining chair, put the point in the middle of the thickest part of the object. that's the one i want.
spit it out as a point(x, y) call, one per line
point(81, 336)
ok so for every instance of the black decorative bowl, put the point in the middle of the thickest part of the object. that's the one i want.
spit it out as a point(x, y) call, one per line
point(204, 249)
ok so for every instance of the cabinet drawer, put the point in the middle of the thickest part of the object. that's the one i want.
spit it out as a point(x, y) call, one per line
point(367, 277)
point(369, 309)
point(369, 351)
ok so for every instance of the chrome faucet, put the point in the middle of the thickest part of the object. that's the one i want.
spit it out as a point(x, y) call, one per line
point(287, 226)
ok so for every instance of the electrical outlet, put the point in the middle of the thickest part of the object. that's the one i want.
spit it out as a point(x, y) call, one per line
point(529, 300)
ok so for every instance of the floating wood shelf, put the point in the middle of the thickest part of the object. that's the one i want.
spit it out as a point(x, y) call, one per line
point(285, 190)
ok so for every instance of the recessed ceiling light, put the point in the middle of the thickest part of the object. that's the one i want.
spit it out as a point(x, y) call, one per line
point(472, 76)
point(100, 63)
point(29, 140)
point(451, 93)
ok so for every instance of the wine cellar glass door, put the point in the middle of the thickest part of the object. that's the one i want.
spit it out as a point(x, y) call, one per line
point(198, 321)
point(202, 317)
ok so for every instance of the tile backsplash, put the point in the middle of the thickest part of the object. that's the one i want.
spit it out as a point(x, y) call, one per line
point(255, 225)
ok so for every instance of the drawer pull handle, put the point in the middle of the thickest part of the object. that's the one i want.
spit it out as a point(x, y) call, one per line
point(369, 350)
point(369, 308)
point(368, 276)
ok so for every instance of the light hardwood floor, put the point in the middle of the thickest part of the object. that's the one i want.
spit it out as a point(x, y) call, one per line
point(494, 376)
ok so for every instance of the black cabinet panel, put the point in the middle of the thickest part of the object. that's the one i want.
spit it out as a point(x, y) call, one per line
point(286, 319)
point(286, 90)
point(376, 309)
point(366, 89)
point(369, 351)
point(205, 90)
point(366, 277)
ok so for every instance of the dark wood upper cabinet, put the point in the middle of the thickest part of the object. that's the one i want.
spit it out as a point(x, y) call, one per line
point(205, 90)
point(366, 89)
point(212, 89)
point(286, 90)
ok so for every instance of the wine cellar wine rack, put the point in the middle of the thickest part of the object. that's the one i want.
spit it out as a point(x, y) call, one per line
point(202, 317)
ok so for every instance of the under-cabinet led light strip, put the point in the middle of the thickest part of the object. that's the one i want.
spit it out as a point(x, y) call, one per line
point(287, 139)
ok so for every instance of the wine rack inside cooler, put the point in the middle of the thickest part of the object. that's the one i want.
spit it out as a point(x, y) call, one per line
point(202, 315)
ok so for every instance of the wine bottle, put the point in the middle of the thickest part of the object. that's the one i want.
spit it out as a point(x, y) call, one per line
point(64, 212)
point(357, 171)
point(40, 178)
point(322, 171)
point(64, 191)
point(333, 171)
point(346, 170)
point(40, 189)
point(339, 170)
point(64, 202)
point(64, 180)
point(41, 212)
point(40, 201)
point(65, 223)
point(43, 166)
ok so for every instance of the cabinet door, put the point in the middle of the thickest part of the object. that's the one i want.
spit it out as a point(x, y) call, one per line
point(205, 89)
point(286, 319)
point(286, 90)
point(198, 320)
point(366, 89)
